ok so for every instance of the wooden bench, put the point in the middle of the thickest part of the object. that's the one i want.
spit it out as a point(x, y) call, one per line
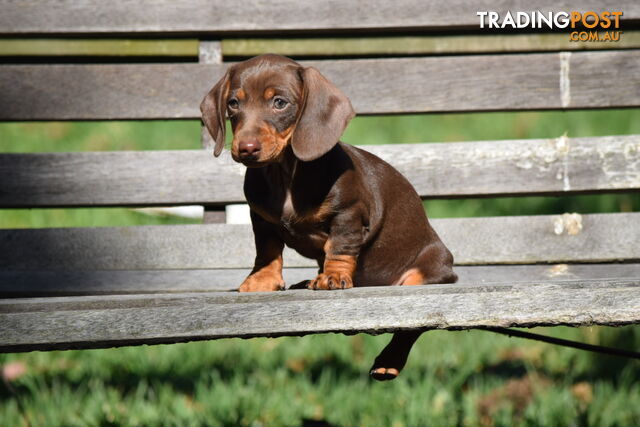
point(99, 287)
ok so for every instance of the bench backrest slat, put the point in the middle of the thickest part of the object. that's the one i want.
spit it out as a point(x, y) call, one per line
point(489, 168)
point(224, 17)
point(375, 86)
point(496, 240)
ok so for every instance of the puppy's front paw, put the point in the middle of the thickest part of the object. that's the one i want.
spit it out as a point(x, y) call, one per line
point(262, 282)
point(327, 281)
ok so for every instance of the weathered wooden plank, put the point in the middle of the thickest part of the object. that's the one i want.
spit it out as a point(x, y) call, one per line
point(218, 16)
point(418, 45)
point(499, 240)
point(518, 167)
point(99, 47)
point(119, 178)
point(616, 73)
point(103, 91)
point(104, 282)
point(20, 283)
point(90, 322)
point(432, 84)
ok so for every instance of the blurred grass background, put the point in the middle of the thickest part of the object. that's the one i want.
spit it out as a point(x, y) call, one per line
point(452, 378)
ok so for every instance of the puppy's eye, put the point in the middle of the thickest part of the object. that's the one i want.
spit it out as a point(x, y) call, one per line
point(280, 103)
point(233, 104)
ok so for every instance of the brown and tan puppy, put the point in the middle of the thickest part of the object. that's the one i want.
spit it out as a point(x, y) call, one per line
point(353, 213)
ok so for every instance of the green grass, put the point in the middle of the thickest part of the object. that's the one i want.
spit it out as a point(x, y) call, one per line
point(49, 137)
point(452, 378)
point(490, 126)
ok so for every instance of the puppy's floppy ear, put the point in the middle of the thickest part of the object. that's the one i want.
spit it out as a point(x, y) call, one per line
point(323, 116)
point(213, 108)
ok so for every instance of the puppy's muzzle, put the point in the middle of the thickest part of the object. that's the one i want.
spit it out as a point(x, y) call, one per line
point(249, 150)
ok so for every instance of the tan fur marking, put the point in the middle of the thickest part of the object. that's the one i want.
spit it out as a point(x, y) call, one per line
point(345, 264)
point(241, 95)
point(337, 272)
point(411, 277)
point(273, 142)
point(285, 135)
point(327, 246)
point(266, 278)
point(269, 93)
point(316, 216)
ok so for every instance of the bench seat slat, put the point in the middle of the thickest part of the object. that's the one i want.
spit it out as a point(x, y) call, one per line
point(223, 17)
point(105, 321)
point(486, 168)
point(15, 283)
point(402, 85)
point(494, 240)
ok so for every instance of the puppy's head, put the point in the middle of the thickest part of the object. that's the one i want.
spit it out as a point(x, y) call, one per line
point(274, 102)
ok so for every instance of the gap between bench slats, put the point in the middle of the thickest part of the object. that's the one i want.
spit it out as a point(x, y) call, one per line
point(495, 240)
point(488, 168)
point(375, 86)
point(417, 45)
point(20, 283)
point(105, 321)
point(368, 46)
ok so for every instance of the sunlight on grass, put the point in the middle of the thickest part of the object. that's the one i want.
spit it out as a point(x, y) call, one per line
point(452, 378)
point(461, 127)
point(48, 137)
point(84, 217)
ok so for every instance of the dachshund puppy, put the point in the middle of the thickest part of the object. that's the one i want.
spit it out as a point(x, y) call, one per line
point(353, 213)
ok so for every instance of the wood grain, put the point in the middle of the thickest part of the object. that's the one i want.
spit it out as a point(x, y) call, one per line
point(21, 283)
point(105, 321)
point(432, 84)
point(497, 240)
point(486, 168)
point(134, 178)
point(250, 16)
point(612, 70)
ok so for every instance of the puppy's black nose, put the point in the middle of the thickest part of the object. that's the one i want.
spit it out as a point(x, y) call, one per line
point(249, 148)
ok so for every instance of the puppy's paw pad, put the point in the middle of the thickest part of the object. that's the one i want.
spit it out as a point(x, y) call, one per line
point(384, 374)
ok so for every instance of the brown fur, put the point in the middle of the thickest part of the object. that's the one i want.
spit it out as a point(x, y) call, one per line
point(353, 213)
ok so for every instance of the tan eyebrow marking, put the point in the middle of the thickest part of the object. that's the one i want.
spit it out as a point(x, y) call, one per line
point(269, 92)
point(241, 95)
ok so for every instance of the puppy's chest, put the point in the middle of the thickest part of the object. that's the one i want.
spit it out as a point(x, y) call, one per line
point(295, 214)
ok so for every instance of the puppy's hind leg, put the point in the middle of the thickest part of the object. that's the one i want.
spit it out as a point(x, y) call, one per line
point(392, 359)
point(432, 266)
